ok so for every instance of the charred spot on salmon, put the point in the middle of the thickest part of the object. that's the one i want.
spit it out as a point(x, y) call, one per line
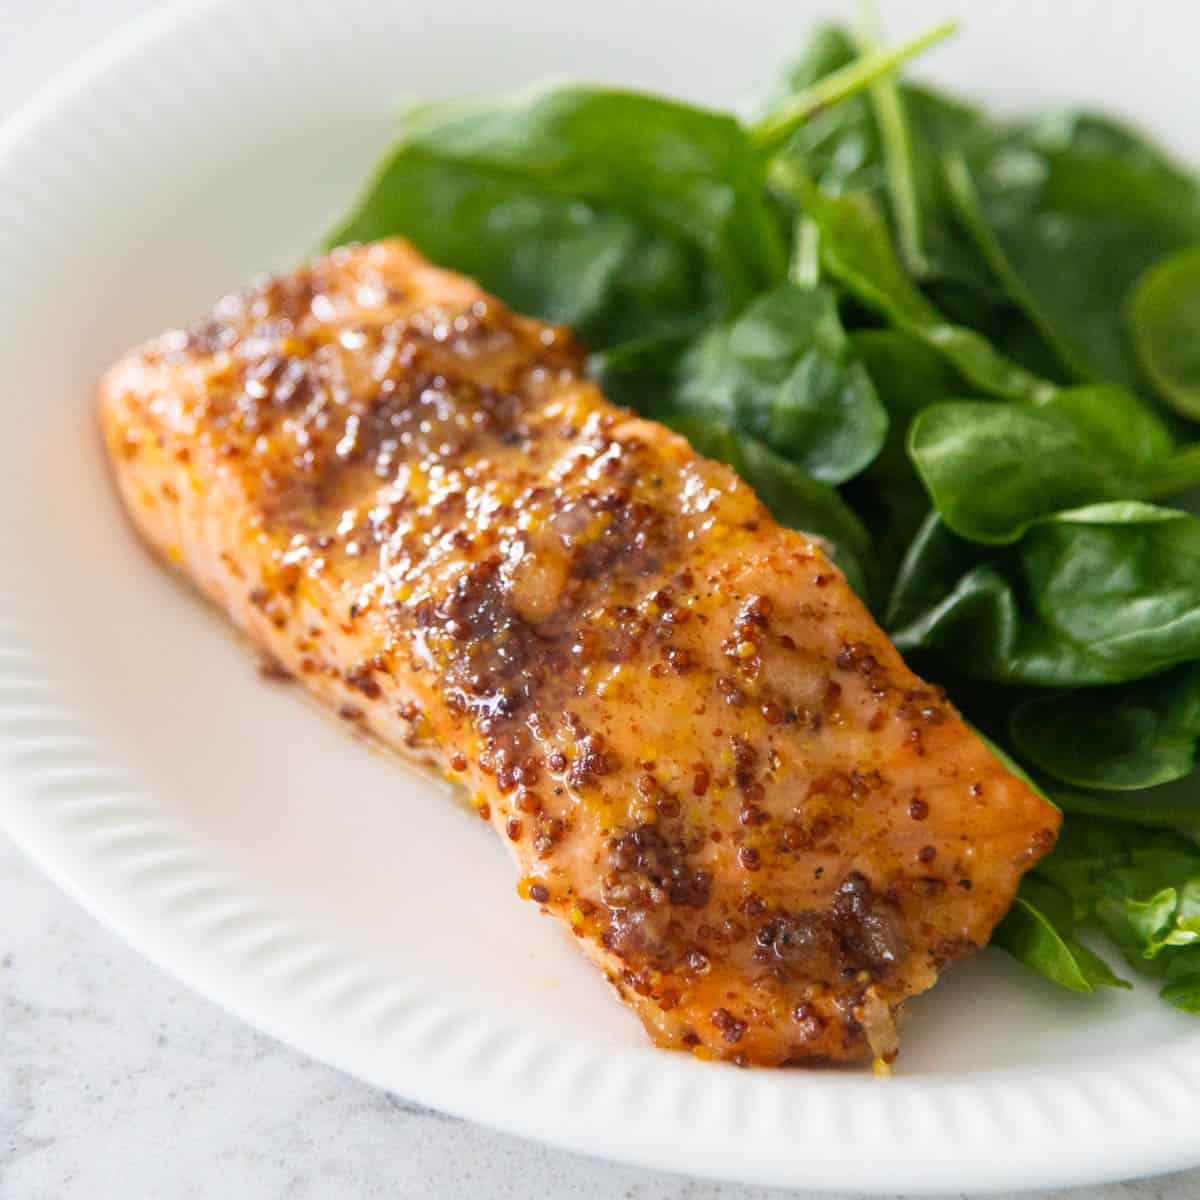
point(640, 931)
point(796, 940)
point(861, 931)
point(732, 1030)
point(867, 927)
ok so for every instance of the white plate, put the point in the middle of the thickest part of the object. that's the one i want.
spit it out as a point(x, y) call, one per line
point(321, 892)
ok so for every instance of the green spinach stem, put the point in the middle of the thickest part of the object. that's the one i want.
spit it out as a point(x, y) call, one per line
point(805, 269)
point(778, 126)
point(885, 99)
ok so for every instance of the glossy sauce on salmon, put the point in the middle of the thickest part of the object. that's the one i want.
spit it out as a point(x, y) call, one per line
point(707, 759)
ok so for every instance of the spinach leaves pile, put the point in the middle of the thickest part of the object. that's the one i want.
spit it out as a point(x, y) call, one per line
point(964, 351)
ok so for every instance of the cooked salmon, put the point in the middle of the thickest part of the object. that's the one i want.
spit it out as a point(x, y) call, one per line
point(707, 760)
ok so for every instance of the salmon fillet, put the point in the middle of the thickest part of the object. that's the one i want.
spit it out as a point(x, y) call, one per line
point(706, 758)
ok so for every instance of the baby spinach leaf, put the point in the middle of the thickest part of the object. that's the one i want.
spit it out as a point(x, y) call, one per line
point(993, 469)
point(888, 144)
point(964, 198)
point(856, 250)
point(1121, 580)
point(1169, 918)
point(624, 215)
point(1078, 207)
point(1149, 921)
point(933, 567)
point(1174, 805)
point(949, 266)
point(639, 374)
point(1141, 886)
point(1123, 738)
point(1103, 594)
point(785, 373)
point(1184, 994)
point(1086, 850)
point(1095, 858)
point(909, 377)
point(1165, 319)
point(793, 497)
point(1182, 987)
point(1039, 932)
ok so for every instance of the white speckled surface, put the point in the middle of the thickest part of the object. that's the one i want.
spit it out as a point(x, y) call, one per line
point(115, 1082)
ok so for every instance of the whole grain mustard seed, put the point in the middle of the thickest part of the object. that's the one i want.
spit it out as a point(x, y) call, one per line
point(529, 547)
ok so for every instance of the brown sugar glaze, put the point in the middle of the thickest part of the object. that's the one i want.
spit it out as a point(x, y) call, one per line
point(707, 759)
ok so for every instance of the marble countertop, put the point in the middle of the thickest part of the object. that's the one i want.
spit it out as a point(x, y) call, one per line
point(115, 1082)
